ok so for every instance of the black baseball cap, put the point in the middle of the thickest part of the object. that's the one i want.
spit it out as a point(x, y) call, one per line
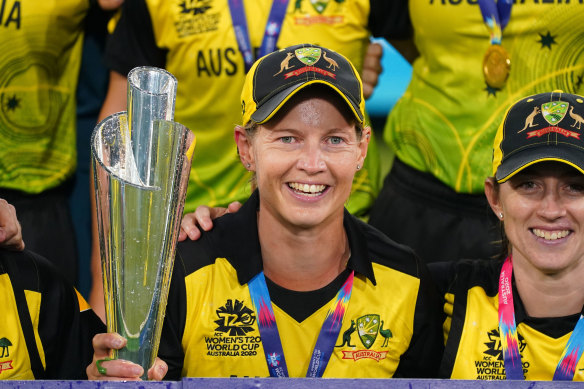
point(276, 77)
point(543, 127)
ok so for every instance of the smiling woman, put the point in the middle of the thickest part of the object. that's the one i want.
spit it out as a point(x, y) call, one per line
point(292, 284)
point(543, 208)
point(305, 159)
point(520, 317)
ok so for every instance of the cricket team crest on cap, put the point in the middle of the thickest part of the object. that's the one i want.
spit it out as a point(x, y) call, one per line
point(276, 77)
point(554, 111)
point(552, 122)
point(308, 55)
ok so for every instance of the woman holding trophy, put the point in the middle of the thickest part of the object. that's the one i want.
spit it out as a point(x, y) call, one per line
point(292, 284)
point(519, 317)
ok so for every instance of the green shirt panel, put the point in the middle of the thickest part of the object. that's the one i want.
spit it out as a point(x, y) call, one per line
point(41, 53)
point(446, 121)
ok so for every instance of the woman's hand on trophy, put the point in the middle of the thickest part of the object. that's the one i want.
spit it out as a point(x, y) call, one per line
point(158, 370)
point(104, 368)
point(10, 231)
point(203, 218)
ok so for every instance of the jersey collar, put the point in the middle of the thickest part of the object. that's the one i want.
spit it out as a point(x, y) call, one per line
point(244, 252)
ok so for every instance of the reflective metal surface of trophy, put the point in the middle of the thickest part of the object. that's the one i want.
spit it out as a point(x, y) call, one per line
point(141, 164)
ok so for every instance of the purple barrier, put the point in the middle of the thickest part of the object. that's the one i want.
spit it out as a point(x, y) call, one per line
point(297, 383)
point(40, 384)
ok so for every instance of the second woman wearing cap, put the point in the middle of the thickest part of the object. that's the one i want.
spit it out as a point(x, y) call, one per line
point(292, 284)
point(520, 317)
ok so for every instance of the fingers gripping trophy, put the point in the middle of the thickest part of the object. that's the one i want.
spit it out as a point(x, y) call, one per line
point(141, 163)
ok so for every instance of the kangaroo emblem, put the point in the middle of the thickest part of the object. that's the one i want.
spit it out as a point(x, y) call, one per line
point(577, 118)
point(347, 335)
point(285, 64)
point(332, 63)
point(529, 120)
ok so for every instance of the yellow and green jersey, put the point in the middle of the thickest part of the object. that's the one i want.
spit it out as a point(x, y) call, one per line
point(41, 46)
point(391, 325)
point(195, 41)
point(473, 344)
point(44, 321)
point(446, 121)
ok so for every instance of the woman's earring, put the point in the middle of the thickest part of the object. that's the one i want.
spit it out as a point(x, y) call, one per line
point(501, 215)
point(358, 167)
point(248, 165)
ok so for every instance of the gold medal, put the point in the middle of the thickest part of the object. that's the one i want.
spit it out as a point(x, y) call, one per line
point(496, 66)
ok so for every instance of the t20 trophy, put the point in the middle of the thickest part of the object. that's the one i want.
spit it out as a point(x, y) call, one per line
point(141, 163)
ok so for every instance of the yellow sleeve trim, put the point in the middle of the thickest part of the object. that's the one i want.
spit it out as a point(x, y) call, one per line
point(113, 22)
point(83, 305)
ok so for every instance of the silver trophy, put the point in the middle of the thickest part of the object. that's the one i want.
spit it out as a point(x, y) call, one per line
point(141, 163)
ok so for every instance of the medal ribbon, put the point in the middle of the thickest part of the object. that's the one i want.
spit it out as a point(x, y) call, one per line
point(271, 34)
point(327, 337)
point(507, 326)
point(572, 353)
point(510, 342)
point(496, 14)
